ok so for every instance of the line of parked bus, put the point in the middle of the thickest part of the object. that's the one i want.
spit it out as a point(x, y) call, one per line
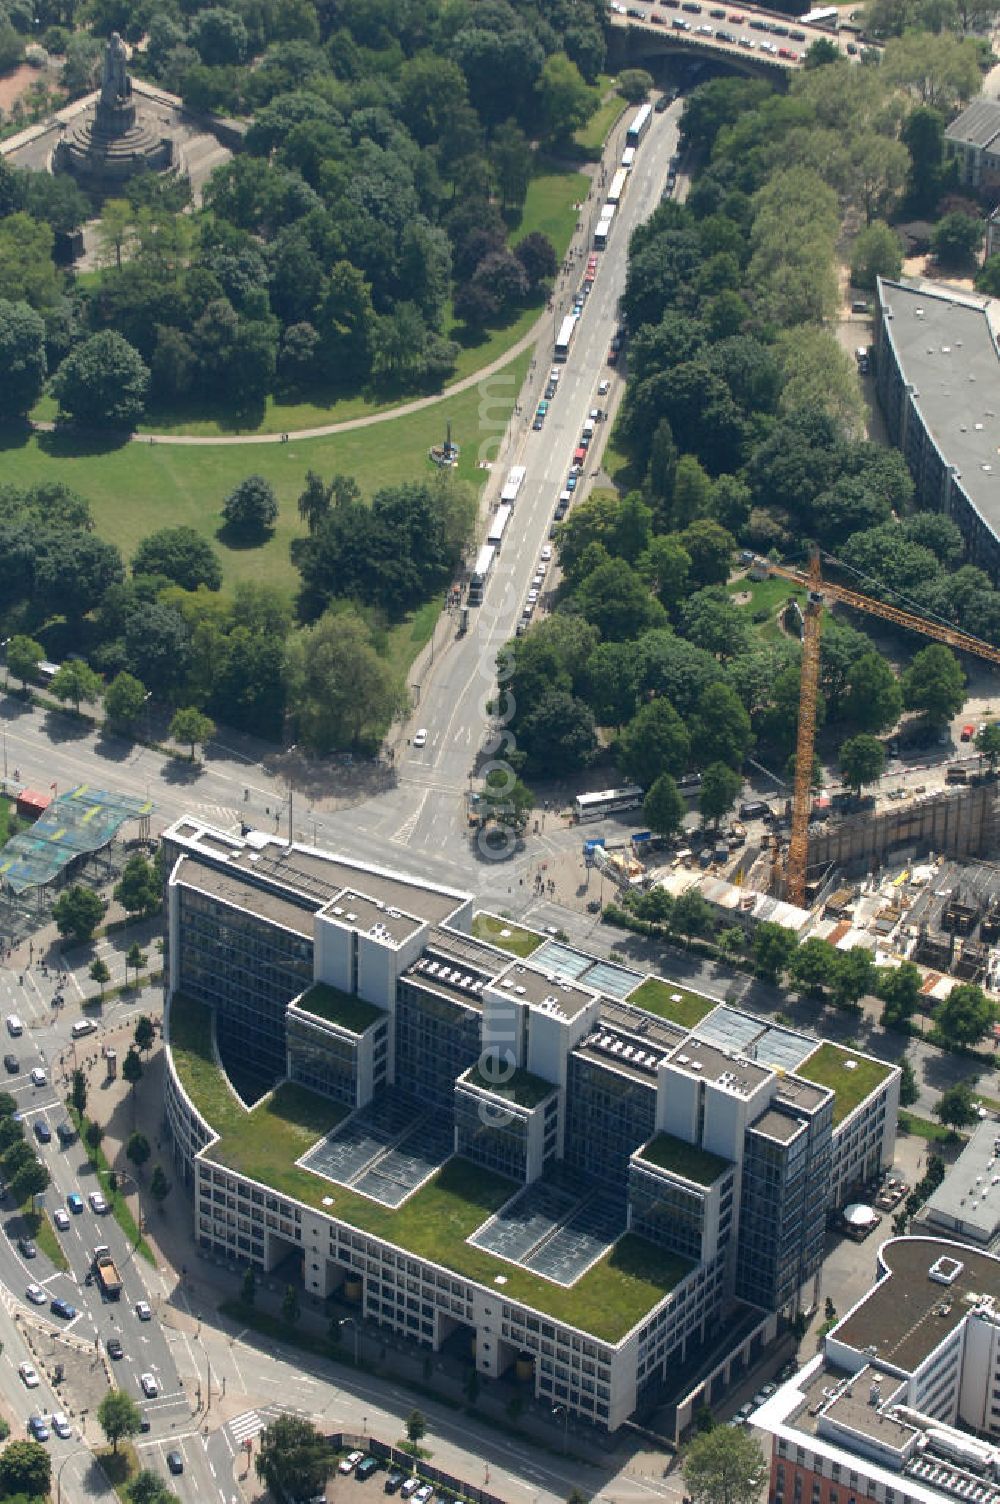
point(619, 182)
point(487, 556)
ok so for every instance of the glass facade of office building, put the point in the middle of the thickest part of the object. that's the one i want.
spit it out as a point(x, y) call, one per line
point(436, 1042)
point(608, 1115)
point(249, 972)
point(669, 1214)
point(321, 1059)
point(491, 1134)
point(782, 1212)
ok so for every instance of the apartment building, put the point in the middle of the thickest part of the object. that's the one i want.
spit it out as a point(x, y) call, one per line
point(903, 1401)
point(474, 1132)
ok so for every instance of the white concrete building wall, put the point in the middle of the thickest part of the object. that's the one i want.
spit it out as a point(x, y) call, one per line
point(677, 1095)
point(333, 952)
point(381, 963)
point(503, 1027)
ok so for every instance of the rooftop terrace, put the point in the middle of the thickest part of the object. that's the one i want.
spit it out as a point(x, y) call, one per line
point(850, 1076)
point(505, 934)
point(523, 1088)
point(687, 1160)
point(434, 1223)
point(341, 1008)
point(667, 1000)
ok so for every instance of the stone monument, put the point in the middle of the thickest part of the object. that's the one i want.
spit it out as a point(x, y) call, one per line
point(114, 138)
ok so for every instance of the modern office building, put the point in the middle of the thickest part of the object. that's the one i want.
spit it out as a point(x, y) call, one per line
point(480, 1135)
point(937, 372)
point(903, 1402)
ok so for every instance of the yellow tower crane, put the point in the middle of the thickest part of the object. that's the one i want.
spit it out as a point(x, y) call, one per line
point(818, 593)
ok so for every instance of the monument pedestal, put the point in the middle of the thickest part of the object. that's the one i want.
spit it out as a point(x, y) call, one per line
point(112, 142)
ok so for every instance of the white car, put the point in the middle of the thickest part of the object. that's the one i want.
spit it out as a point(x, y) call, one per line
point(143, 1310)
point(61, 1425)
point(546, 553)
point(29, 1376)
point(38, 1076)
point(603, 388)
point(61, 1218)
point(538, 582)
point(349, 1463)
point(97, 1203)
point(420, 739)
point(424, 1494)
point(532, 597)
point(150, 1387)
point(36, 1295)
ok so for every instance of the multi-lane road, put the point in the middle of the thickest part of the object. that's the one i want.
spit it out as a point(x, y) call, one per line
point(417, 821)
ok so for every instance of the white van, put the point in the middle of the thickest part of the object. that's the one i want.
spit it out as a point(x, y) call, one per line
point(14, 1025)
point(83, 1026)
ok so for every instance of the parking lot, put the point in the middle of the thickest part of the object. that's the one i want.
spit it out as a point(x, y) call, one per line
point(346, 1486)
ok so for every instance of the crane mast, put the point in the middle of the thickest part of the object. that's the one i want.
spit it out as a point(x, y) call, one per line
point(818, 592)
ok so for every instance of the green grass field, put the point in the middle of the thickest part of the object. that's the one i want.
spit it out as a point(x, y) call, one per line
point(549, 207)
point(133, 489)
point(593, 135)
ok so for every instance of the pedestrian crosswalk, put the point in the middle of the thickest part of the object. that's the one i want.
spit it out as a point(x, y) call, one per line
point(245, 1426)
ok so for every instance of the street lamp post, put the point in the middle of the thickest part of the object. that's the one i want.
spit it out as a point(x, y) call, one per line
point(350, 1321)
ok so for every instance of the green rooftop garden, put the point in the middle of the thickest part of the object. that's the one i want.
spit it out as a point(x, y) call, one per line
point(435, 1222)
point(684, 1159)
point(505, 934)
point(830, 1066)
point(201, 1078)
point(667, 1000)
point(522, 1088)
point(342, 1008)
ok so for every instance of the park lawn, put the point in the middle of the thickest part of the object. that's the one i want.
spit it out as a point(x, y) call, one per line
point(403, 642)
point(477, 353)
point(550, 206)
point(133, 489)
point(598, 128)
point(505, 934)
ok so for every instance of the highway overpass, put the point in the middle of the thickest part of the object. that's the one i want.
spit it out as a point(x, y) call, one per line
point(746, 37)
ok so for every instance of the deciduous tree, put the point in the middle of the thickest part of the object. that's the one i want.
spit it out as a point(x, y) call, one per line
point(118, 1416)
point(293, 1460)
point(725, 1466)
point(664, 807)
point(862, 760)
point(77, 912)
point(22, 359)
point(102, 383)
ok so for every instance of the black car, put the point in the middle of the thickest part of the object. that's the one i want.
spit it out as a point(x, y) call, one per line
point(115, 1349)
point(12, 1064)
point(26, 1248)
point(393, 1480)
point(550, 391)
point(539, 423)
point(66, 1133)
point(663, 103)
point(175, 1462)
point(43, 1132)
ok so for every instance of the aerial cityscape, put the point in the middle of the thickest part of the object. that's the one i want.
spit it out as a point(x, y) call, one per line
point(500, 821)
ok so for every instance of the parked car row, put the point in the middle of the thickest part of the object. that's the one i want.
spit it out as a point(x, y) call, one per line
point(408, 1486)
